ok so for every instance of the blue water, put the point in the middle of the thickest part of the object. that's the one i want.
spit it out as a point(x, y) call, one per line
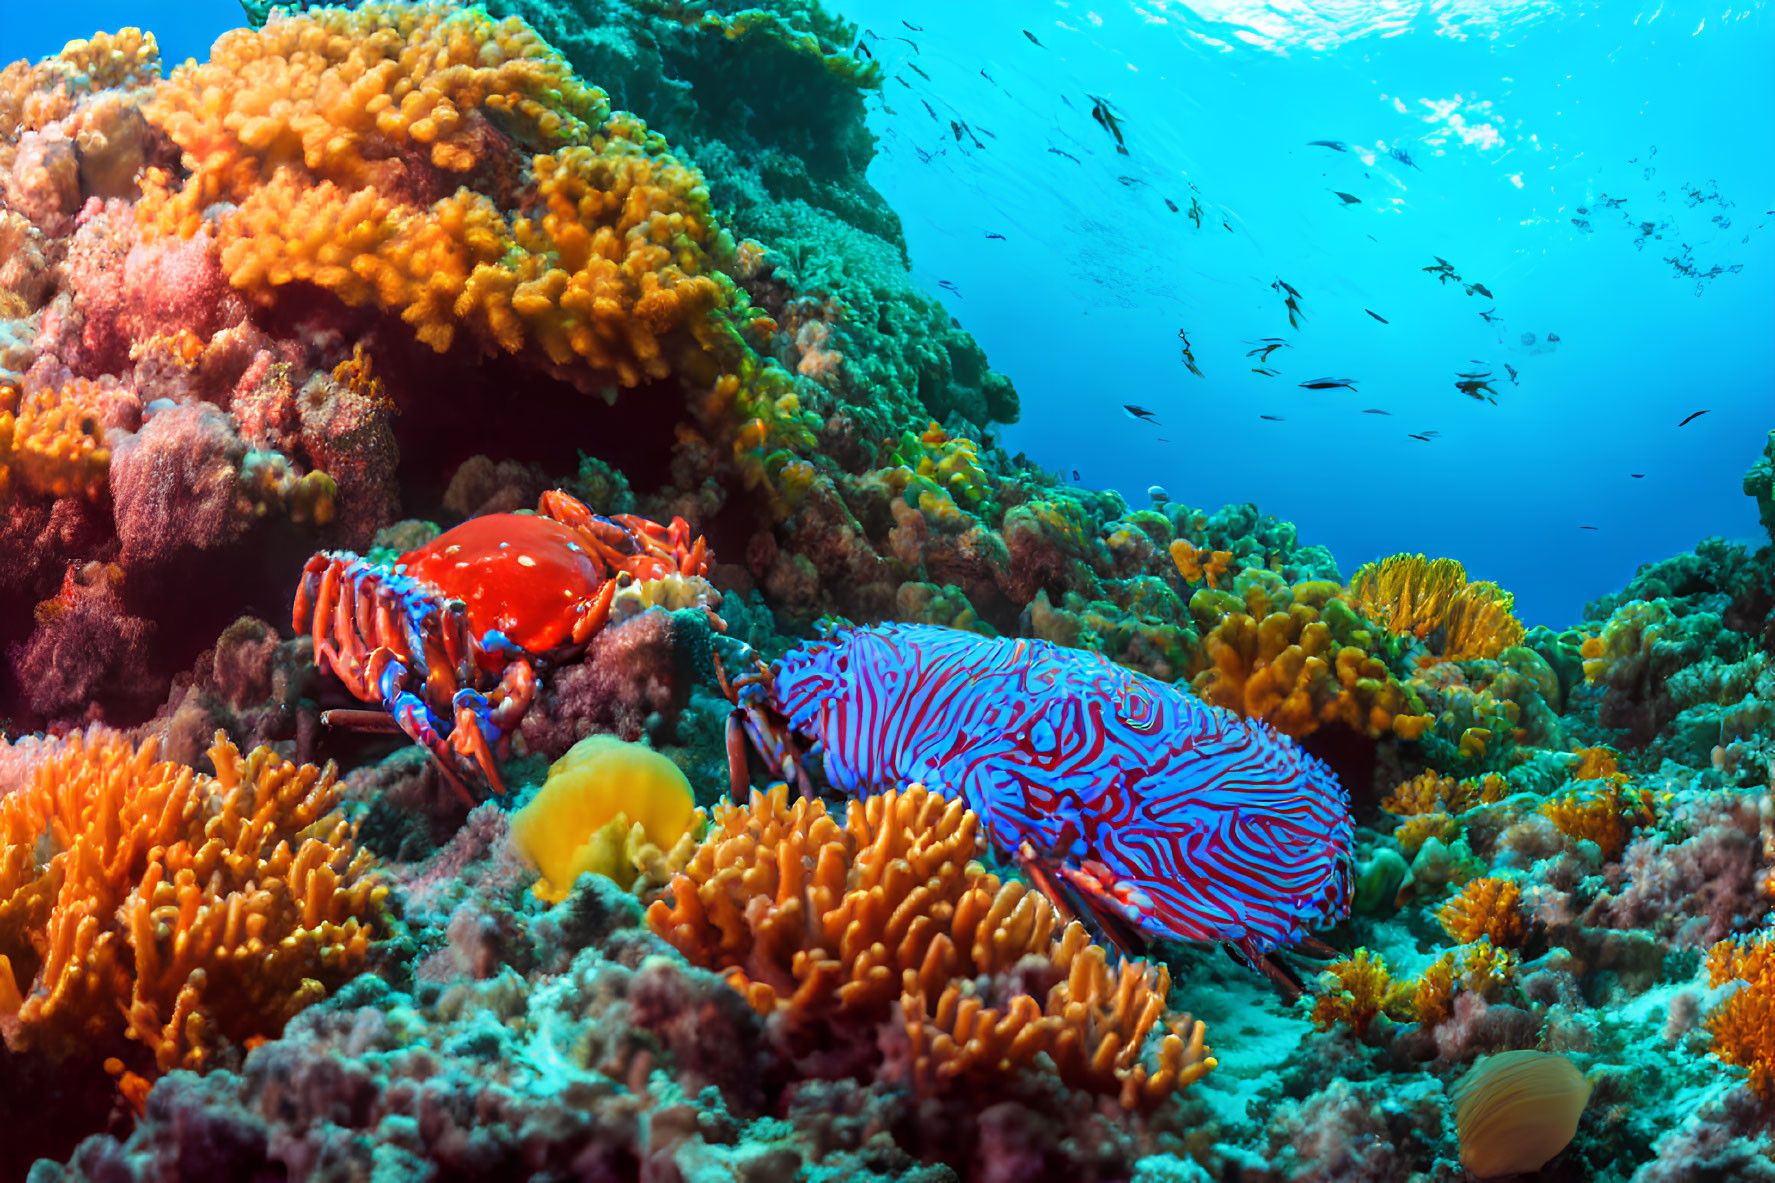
point(1516, 116)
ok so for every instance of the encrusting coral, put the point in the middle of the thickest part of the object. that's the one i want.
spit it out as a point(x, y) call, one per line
point(192, 914)
point(824, 928)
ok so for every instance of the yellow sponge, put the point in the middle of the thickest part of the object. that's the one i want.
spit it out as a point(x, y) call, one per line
point(619, 809)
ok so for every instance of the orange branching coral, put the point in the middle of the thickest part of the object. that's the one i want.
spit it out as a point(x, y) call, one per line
point(1478, 790)
point(827, 927)
point(1743, 1025)
point(1432, 600)
point(1432, 995)
point(187, 912)
point(1427, 792)
point(1489, 908)
point(1358, 990)
point(51, 441)
point(1198, 565)
point(1482, 969)
point(371, 152)
point(1431, 792)
point(1607, 815)
point(1288, 670)
point(1595, 764)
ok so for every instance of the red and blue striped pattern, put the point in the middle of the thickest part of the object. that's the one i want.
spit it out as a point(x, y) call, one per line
point(1234, 832)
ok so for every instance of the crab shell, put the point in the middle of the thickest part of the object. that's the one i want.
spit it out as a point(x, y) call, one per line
point(528, 576)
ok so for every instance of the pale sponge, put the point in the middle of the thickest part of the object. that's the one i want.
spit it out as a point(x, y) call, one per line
point(1516, 1110)
point(619, 809)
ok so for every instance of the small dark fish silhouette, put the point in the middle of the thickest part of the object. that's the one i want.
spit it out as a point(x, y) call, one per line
point(948, 285)
point(1266, 347)
point(1376, 411)
point(1272, 418)
point(1266, 372)
point(1140, 412)
point(1377, 316)
point(1031, 36)
point(913, 27)
point(862, 51)
point(1638, 476)
point(1195, 212)
point(1106, 118)
point(1512, 371)
point(1293, 313)
point(1163, 440)
point(1480, 288)
point(1068, 155)
point(1607, 202)
point(987, 76)
point(1403, 157)
point(923, 156)
point(1170, 205)
point(1691, 418)
point(1329, 384)
point(1443, 270)
point(913, 66)
point(1189, 358)
point(1589, 527)
point(1130, 182)
point(1334, 145)
point(1348, 198)
point(930, 110)
point(995, 235)
point(1283, 285)
point(1416, 436)
point(1075, 474)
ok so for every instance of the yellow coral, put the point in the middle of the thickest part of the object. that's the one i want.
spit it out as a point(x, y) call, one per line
point(1427, 792)
point(1607, 815)
point(51, 442)
point(1359, 989)
point(1488, 908)
point(823, 926)
point(1198, 565)
point(1418, 829)
point(617, 809)
point(596, 249)
point(1412, 594)
point(1482, 969)
point(1288, 670)
point(187, 912)
point(1595, 764)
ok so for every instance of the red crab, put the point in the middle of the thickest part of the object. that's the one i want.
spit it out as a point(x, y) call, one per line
point(448, 638)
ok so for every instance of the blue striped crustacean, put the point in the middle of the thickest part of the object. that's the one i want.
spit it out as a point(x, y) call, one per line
point(1131, 800)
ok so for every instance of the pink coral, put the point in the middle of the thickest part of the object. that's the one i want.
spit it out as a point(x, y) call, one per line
point(628, 674)
point(1696, 890)
point(89, 654)
point(177, 486)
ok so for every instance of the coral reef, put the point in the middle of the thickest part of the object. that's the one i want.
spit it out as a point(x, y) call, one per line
point(370, 275)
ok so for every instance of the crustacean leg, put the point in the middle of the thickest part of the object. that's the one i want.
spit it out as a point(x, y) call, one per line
point(406, 712)
point(1086, 891)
